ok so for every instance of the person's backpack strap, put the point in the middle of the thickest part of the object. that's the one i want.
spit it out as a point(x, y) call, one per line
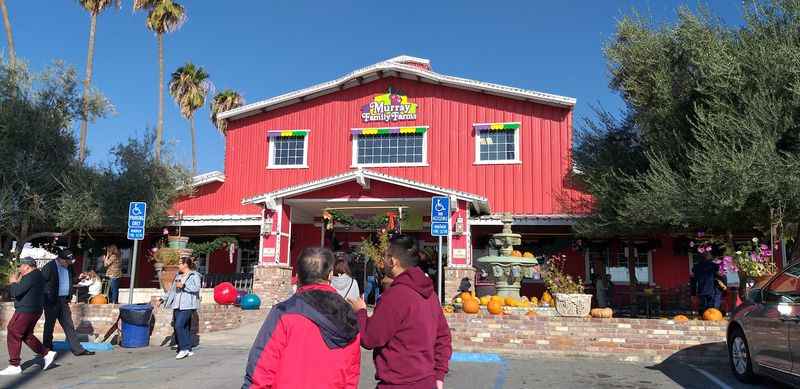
point(349, 287)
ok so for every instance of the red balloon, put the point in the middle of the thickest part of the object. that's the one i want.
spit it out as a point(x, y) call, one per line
point(225, 293)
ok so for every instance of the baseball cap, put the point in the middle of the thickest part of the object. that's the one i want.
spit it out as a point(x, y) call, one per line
point(27, 261)
point(65, 254)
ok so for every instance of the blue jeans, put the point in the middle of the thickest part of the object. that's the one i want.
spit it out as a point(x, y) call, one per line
point(372, 285)
point(709, 301)
point(183, 328)
point(113, 291)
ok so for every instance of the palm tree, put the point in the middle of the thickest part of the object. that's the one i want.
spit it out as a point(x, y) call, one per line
point(189, 87)
point(12, 55)
point(94, 7)
point(163, 16)
point(224, 101)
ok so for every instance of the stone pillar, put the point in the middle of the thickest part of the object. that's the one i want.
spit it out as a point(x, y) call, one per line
point(452, 279)
point(272, 283)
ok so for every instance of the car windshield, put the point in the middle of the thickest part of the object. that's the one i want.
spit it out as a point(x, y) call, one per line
point(786, 286)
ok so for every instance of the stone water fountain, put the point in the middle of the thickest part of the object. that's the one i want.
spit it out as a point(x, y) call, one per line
point(505, 270)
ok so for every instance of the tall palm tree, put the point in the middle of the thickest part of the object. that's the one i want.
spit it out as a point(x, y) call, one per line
point(94, 7)
point(12, 54)
point(224, 101)
point(163, 16)
point(189, 87)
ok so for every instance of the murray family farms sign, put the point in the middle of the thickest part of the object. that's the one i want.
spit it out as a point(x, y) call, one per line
point(389, 107)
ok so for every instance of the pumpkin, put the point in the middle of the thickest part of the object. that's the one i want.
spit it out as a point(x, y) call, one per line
point(510, 301)
point(99, 299)
point(528, 254)
point(471, 306)
point(534, 301)
point(465, 296)
point(485, 300)
point(547, 298)
point(531, 313)
point(448, 309)
point(516, 253)
point(712, 314)
point(499, 299)
point(604, 313)
point(680, 318)
point(494, 307)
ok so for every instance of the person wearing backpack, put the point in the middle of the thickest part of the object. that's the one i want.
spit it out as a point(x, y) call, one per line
point(343, 281)
point(184, 299)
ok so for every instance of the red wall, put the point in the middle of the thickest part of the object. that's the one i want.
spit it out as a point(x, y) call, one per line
point(535, 186)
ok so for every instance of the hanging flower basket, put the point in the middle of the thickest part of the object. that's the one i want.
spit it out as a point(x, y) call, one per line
point(177, 242)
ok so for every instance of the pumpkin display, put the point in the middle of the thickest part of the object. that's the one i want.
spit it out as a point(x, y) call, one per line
point(471, 306)
point(712, 314)
point(534, 301)
point(547, 298)
point(603, 313)
point(499, 299)
point(510, 301)
point(485, 300)
point(528, 254)
point(680, 318)
point(531, 313)
point(99, 299)
point(516, 253)
point(494, 307)
point(465, 296)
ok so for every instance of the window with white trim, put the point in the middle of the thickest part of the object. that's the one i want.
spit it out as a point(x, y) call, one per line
point(497, 143)
point(390, 146)
point(616, 263)
point(248, 256)
point(288, 149)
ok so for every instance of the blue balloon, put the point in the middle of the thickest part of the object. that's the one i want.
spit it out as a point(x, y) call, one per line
point(250, 301)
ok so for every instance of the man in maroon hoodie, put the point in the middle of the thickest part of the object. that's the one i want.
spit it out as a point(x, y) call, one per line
point(408, 332)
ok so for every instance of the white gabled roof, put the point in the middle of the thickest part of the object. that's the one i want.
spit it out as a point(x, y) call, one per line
point(481, 203)
point(394, 67)
point(207, 178)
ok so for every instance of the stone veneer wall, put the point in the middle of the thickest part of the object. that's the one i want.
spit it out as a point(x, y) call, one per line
point(272, 283)
point(634, 340)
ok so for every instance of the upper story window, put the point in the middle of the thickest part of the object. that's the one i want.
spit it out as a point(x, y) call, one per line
point(288, 149)
point(496, 143)
point(392, 146)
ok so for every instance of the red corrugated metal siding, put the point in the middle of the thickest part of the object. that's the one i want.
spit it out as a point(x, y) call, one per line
point(531, 187)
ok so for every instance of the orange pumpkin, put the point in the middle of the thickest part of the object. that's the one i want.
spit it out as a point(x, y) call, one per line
point(547, 298)
point(510, 301)
point(471, 306)
point(528, 254)
point(712, 314)
point(680, 318)
point(465, 296)
point(531, 313)
point(495, 307)
point(603, 313)
point(516, 253)
point(99, 299)
point(500, 299)
point(485, 300)
point(447, 309)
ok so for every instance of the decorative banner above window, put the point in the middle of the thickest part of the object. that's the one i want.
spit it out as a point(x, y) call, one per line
point(389, 130)
point(392, 106)
point(280, 133)
point(496, 126)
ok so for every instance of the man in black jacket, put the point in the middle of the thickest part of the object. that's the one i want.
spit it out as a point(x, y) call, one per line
point(26, 287)
point(59, 278)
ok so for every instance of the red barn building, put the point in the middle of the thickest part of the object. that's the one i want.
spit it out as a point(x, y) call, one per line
point(388, 137)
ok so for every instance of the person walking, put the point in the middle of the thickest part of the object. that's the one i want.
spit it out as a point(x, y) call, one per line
point(372, 286)
point(113, 272)
point(27, 289)
point(183, 297)
point(704, 287)
point(408, 332)
point(309, 341)
point(343, 281)
point(59, 278)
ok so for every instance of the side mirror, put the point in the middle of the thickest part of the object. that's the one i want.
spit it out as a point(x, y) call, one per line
point(755, 296)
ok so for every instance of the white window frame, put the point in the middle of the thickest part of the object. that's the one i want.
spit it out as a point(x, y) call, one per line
point(354, 157)
point(650, 281)
point(271, 157)
point(517, 159)
point(239, 258)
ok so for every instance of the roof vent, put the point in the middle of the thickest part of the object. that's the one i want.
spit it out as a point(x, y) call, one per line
point(421, 63)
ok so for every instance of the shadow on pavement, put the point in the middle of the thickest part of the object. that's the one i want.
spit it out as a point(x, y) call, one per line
point(26, 376)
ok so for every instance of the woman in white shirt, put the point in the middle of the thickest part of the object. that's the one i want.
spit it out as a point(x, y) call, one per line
point(94, 283)
point(342, 281)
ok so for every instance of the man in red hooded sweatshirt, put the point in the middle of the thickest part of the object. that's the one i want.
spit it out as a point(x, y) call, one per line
point(408, 332)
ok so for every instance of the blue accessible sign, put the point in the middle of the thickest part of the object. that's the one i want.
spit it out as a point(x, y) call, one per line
point(137, 212)
point(440, 216)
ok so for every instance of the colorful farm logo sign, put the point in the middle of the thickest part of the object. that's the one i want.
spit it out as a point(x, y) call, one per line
point(389, 107)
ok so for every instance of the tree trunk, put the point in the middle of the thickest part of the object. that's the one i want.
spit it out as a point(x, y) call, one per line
point(12, 54)
point(160, 122)
point(86, 85)
point(194, 145)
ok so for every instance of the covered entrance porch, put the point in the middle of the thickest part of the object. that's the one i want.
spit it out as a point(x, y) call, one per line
point(294, 218)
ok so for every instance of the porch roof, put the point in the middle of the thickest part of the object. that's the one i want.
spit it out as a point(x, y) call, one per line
point(495, 219)
point(362, 176)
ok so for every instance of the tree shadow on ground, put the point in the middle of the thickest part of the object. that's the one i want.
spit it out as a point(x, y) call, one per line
point(684, 368)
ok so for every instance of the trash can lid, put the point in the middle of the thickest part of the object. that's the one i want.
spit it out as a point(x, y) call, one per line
point(136, 307)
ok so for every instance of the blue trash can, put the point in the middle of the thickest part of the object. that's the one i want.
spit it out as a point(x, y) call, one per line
point(135, 320)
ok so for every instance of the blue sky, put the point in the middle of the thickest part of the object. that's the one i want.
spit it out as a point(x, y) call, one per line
point(264, 48)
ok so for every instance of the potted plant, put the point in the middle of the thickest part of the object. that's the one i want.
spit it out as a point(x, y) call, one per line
point(568, 292)
point(753, 262)
point(177, 241)
point(165, 261)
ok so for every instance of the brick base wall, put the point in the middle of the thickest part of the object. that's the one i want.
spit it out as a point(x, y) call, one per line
point(272, 283)
point(452, 279)
point(636, 340)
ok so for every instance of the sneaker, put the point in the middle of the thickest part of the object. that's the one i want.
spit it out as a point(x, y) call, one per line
point(11, 370)
point(191, 353)
point(48, 359)
point(182, 354)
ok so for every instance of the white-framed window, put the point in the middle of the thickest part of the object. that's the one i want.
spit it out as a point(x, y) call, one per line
point(247, 257)
point(203, 264)
point(497, 143)
point(288, 149)
point(616, 264)
point(396, 146)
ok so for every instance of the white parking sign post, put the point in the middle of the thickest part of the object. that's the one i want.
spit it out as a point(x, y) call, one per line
point(440, 226)
point(137, 212)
